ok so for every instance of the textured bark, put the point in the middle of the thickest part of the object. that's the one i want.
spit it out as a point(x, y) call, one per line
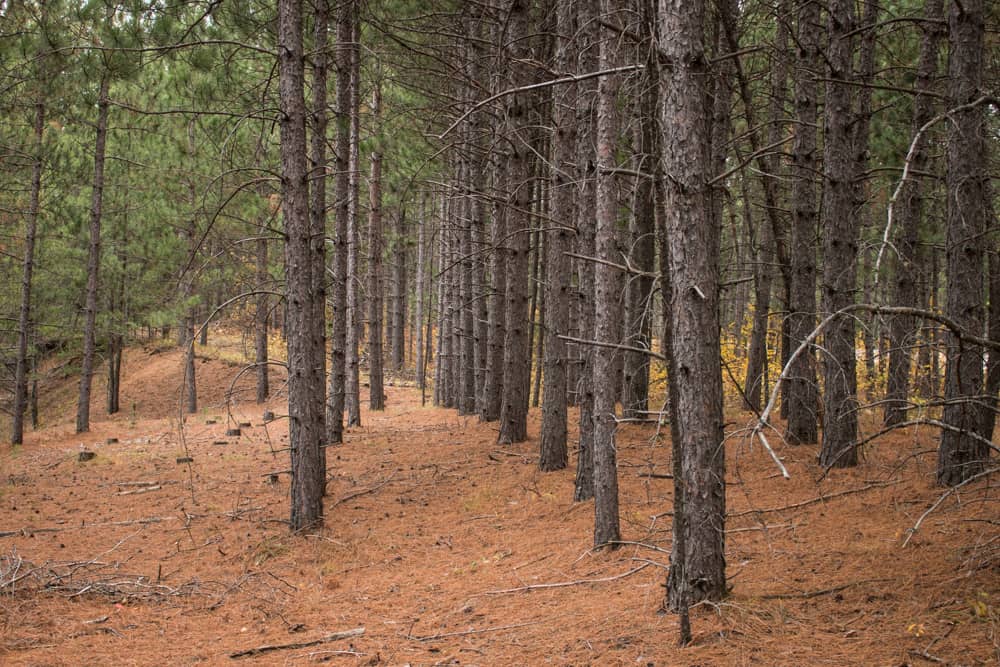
point(607, 302)
point(802, 396)
point(467, 387)
point(305, 423)
point(559, 240)
point(517, 353)
point(27, 272)
point(498, 310)
point(93, 258)
point(398, 328)
point(261, 315)
point(755, 383)
point(376, 397)
point(698, 557)
point(642, 242)
point(909, 218)
point(421, 295)
point(352, 372)
point(960, 454)
point(586, 170)
point(840, 246)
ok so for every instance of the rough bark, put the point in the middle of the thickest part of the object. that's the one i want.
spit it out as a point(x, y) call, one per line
point(93, 258)
point(801, 395)
point(27, 272)
point(305, 424)
point(607, 302)
point(353, 319)
point(840, 246)
point(909, 217)
point(318, 165)
point(698, 566)
point(961, 454)
point(517, 353)
point(586, 193)
point(553, 448)
point(376, 397)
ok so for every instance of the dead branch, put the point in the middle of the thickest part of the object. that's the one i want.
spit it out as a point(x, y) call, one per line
point(268, 648)
point(812, 501)
point(563, 584)
point(808, 595)
point(364, 492)
point(141, 489)
point(427, 638)
point(944, 496)
point(135, 522)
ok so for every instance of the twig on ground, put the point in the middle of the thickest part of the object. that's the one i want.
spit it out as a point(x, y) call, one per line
point(808, 595)
point(944, 496)
point(563, 584)
point(363, 492)
point(268, 648)
point(812, 501)
point(427, 638)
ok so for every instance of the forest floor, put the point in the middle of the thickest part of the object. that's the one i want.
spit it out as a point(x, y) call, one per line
point(448, 549)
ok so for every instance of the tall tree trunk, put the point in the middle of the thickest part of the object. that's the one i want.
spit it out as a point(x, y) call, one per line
point(517, 353)
point(27, 272)
point(802, 396)
point(840, 246)
point(698, 564)
point(398, 328)
point(961, 455)
point(498, 305)
point(606, 300)
point(586, 169)
point(305, 422)
point(767, 242)
point(553, 453)
point(909, 217)
point(376, 397)
point(352, 371)
point(421, 293)
point(262, 307)
point(93, 258)
point(642, 243)
point(317, 222)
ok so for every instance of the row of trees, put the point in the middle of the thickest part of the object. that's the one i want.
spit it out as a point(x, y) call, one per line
point(534, 199)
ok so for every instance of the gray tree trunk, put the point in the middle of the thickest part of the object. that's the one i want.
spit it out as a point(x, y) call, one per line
point(352, 371)
point(961, 455)
point(909, 217)
point(517, 352)
point(802, 395)
point(607, 301)
point(305, 421)
point(698, 555)
point(27, 272)
point(553, 453)
point(93, 258)
point(376, 397)
point(840, 246)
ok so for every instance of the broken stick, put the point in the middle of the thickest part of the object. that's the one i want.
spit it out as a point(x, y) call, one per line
point(268, 648)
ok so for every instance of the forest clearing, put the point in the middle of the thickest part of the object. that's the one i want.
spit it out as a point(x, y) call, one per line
point(450, 549)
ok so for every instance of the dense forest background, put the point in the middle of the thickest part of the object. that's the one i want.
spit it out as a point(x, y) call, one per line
point(654, 213)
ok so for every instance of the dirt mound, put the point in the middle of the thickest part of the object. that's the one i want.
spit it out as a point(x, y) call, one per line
point(449, 549)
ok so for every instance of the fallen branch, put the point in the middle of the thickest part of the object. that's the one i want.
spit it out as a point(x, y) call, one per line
point(268, 648)
point(940, 500)
point(808, 595)
point(812, 501)
point(30, 531)
point(364, 492)
point(427, 638)
point(563, 584)
point(142, 489)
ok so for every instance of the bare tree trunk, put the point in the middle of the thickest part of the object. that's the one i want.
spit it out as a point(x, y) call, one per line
point(398, 328)
point(698, 564)
point(261, 315)
point(903, 329)
point(586, 169)
point(606, 301)
point(93, 258)
point(802, 395)
point(376, 397)
point(961, 455)
point(352, 382)
point(27, 271)
point(498, 308)
point(317, 211)
point(517, 353)
point(553, 453)
point(304, 379)
point(840, 246)
point(421, 292)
